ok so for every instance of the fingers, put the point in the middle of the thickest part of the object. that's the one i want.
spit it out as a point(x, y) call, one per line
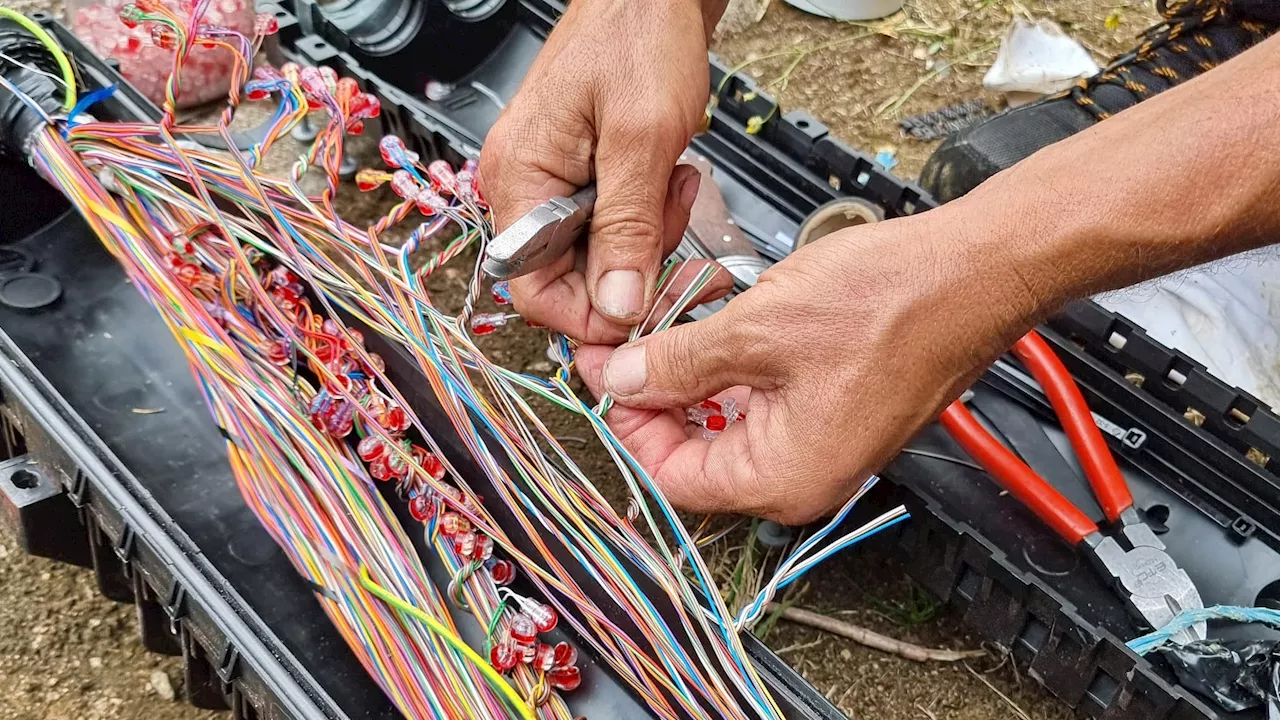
point(687, 364)
point(712, 476)
point(694, 474)
point(641, 199)
point(650, 435)
point(682, 192)
point(558, 298)
point(514, 168)
point(560, 302)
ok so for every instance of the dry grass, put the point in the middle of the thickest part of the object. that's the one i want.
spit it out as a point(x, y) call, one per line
point(933, 53)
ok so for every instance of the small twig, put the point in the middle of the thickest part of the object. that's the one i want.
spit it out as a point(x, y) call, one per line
point(873, 639)
point(800, 646)
point(890, 107)
point(927, 712)
point(845, 696)
point(1007, 701)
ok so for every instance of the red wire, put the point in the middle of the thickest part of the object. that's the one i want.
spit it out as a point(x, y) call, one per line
point(1015, 476)
point(1073, 413)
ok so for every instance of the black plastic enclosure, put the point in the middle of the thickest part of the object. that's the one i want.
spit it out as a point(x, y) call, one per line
point(165, 528)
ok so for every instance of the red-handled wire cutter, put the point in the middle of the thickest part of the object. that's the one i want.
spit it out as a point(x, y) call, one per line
point(1155, 587)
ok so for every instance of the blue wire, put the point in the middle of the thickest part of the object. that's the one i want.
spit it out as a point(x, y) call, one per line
point(758, 606)
point(86, 102)
point(843, 545)
point(1187, 618)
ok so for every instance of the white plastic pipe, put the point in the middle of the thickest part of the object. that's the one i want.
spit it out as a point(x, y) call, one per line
point(848, 9)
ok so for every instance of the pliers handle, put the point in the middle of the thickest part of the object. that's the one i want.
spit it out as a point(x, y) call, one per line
point(1151, 583)
point(1015, 476)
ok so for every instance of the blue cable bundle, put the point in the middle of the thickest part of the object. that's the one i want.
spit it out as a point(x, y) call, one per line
point(1186, 619)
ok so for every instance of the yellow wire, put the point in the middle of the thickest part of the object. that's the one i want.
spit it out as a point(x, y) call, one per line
point(498, 681)
point(64, 65)
point(200, 338)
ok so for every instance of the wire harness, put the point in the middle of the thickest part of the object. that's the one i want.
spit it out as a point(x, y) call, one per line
point(268, 291)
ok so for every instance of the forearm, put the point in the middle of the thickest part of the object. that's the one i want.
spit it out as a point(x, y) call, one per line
point(711, 10)
point(1184, 178)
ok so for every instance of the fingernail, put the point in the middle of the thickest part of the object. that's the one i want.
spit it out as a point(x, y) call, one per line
point(624, 371)
point(621, 293)
point(689, 190)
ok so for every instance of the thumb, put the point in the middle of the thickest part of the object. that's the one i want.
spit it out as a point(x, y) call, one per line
point(641, 192)
point(686, 364)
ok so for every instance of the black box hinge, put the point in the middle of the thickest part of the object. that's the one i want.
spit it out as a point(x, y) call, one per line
point(124, 546)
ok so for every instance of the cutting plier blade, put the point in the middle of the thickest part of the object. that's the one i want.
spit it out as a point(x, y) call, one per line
point(540, 236)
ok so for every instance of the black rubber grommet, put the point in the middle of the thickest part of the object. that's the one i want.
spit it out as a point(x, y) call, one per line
point(15, 260)
point(29, 291)
point(773, 535)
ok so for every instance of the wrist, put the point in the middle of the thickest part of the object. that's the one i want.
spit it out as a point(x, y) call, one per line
point(984, 281)
point(663, 16)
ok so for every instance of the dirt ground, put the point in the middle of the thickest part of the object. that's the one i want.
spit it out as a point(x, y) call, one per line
point(861, 79)
point(73, 654)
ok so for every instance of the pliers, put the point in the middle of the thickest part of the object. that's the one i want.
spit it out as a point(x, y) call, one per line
point(547, 232)
point(1155, 589)
point(540, 236)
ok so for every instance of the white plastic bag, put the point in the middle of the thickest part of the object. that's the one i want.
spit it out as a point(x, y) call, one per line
point(1037, 58)
point(1225, 315)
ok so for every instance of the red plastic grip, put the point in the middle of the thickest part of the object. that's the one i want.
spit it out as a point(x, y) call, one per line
point(1015, 476)
point(1073, 413)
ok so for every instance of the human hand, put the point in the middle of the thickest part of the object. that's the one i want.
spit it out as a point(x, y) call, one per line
point(615, 95)
point(838, 355)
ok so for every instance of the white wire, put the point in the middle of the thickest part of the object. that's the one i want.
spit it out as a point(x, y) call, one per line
point(795, 568)
point(33, 69)
point(489, 93)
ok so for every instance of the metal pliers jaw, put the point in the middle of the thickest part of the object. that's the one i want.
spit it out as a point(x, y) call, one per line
point(1155, 588)
point(540, 236)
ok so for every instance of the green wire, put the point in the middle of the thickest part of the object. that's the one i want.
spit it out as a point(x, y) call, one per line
point(493, 624)
point(456, 642)
point(64, 65)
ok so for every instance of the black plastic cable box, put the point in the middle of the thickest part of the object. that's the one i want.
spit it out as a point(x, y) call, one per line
point(148, 501)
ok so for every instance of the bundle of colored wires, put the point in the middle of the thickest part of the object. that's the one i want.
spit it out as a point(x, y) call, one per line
point(263, 285)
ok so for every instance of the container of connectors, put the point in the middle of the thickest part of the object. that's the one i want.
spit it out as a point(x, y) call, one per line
point(144, 37)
